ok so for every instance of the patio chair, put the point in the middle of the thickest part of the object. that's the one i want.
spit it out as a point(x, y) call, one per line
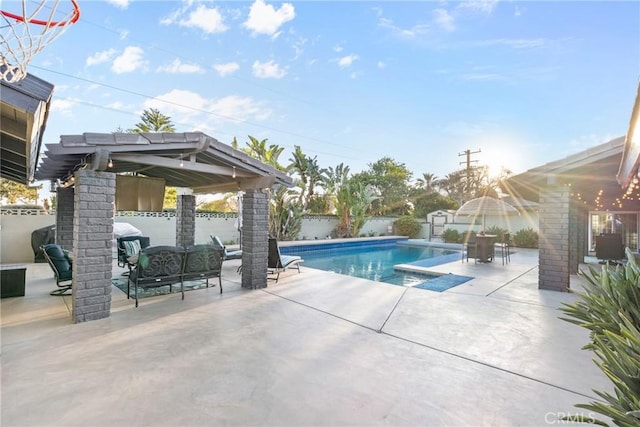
point(469, 247)
point(277, 263)
point(62, 266)
point(203, 262)
point(129, 246)
point(609, 248)
point(505, 248)
point(217, 243)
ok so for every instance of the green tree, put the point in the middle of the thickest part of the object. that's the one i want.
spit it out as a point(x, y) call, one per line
point(14, 192)
point(425, 203)
point(170, 198)
point(225, 204)
point(390, 180)
point(309, 172)
point(428, 182)
point(259, 150)
point(153, 120)
point(352, 199)
point(285, 214)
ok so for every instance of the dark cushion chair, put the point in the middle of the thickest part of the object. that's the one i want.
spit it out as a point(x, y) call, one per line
point(276, 262)
point(609, 247)
point(62, 266)
point(124, 250)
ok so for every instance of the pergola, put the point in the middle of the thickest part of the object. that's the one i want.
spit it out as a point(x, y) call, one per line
point(84, 169)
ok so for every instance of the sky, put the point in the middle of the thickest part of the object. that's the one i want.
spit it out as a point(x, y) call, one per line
point(520, 84)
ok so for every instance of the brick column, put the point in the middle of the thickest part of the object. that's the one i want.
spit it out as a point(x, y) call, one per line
point(92, 244)
point(255, 243)
point(577, 233)
point(554, 244)
point(186, 220)
point(64, 217)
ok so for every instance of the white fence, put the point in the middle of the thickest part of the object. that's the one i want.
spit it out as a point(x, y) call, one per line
point(16, 227)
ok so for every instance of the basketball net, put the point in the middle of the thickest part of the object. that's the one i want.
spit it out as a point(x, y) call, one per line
point(25, 32)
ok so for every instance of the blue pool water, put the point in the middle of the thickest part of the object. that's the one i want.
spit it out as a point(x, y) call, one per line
point(372, 262)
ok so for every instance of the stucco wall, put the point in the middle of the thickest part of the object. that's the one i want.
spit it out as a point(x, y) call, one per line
point(160, 227)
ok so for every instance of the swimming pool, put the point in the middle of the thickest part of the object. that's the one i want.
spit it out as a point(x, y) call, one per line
point(373, 261)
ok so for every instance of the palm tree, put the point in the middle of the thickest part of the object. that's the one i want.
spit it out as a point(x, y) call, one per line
point(258, 149)
point(310, 173)
point(428, 181)
point(153, 120)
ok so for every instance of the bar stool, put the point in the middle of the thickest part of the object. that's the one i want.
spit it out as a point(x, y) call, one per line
point(505, 248)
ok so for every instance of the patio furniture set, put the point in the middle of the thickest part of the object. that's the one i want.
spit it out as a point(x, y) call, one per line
point(156, 266)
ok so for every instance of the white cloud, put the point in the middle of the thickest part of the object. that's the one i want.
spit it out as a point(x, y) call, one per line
point(63, 106)
point(513, 43)
point(207, 19)
point(100, 57)
point(226, 69)
point(483, 6)
point(130, 60)
point(265, 19)
point(381, 64)
point(444, 19)
point(265, 70)
point(338, 49)
point(178, 67)
point(407, 33)
point(347, 61)
point(122, 4)
point(182, 102)
point(239, 107)
point(184, 106)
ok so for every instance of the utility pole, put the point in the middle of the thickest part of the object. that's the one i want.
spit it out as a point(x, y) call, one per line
point(468, 162)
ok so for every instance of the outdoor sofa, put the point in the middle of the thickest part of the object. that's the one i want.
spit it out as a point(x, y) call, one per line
point(169, 265)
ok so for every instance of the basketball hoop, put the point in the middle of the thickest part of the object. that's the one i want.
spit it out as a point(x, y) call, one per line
point(25, 34)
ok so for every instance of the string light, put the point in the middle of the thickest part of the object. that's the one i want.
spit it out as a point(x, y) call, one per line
point(181, 162)
point(233, 175)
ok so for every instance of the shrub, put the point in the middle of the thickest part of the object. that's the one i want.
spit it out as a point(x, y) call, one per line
point(449, 235)
point(526, 238)
point(609, 309)
point(407, 226)
point(497, 231)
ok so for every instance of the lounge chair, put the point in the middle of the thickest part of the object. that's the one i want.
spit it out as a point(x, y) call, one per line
point(62, 266)
point(277, 262)
point(227, 254)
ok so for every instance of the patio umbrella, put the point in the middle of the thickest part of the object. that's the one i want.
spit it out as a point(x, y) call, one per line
point(484, 206)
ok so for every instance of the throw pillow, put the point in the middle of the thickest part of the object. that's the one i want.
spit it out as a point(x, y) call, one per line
point(131, 247)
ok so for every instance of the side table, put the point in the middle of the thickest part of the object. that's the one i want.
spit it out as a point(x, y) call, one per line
point(12, 280)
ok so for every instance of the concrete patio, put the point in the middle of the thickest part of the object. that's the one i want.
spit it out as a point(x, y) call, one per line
point(316, 348)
